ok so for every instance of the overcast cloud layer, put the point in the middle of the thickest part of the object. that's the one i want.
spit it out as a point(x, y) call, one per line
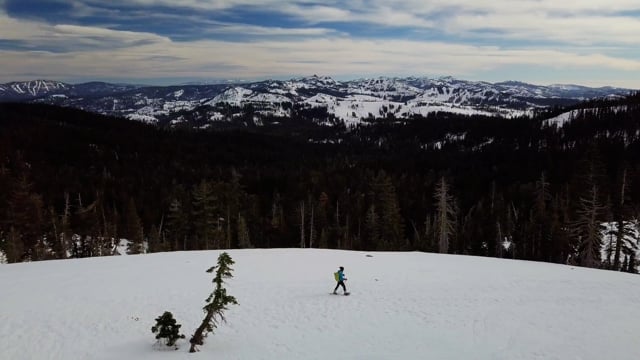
point(590, 42)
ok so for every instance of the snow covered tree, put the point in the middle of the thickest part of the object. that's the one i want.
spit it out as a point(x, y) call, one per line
point(217, 301)
point(167, 330)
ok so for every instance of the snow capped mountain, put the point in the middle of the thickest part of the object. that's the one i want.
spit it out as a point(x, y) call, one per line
point(34, 88)
point(239, 96)
point(348, 101)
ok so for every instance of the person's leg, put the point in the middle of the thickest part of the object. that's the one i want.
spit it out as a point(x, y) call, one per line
point(344, 288)
point(336, 289)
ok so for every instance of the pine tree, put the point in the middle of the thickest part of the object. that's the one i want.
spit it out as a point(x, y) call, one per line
point(391, 223)
point(177, 225)
point(167, 330)
point(154, 240)
point(133, 230)
point(204, 214)
point(14, 248)
point(217, 301)
point(540, 219)
point(244, 240)
point(64, 237)
point(632, 267)
point(371, 228)
point(26, 215)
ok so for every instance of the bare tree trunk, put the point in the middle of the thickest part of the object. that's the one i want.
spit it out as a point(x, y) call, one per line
point(198, 336)
point(444, 211)
point(620, 233)
point(311, 229)
point(347, 238)
point(302, 242)
point(228, 227)
point(500, 247)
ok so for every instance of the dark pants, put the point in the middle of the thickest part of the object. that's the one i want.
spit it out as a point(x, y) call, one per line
point(340, 283)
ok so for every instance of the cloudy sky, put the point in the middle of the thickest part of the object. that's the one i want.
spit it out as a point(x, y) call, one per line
point(588, 42)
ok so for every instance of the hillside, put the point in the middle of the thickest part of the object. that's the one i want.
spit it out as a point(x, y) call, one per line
point(67, 172)
point(403, 306)
point(348, 102)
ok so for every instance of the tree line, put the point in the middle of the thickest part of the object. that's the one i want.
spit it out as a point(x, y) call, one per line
point(73, 182)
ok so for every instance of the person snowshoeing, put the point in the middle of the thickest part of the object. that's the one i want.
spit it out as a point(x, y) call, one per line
point(340, 279)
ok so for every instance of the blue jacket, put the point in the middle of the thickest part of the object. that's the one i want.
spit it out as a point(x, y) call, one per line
point(340, 275)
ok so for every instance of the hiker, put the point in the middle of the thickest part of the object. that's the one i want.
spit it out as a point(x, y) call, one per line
point(340, 279)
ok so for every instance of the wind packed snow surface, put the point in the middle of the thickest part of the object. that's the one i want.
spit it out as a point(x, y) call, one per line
point(402, 306)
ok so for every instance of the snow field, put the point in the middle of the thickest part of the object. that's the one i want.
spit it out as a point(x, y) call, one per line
point(403, 306)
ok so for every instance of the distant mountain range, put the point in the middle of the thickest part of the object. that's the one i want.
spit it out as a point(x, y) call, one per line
point(349, 101)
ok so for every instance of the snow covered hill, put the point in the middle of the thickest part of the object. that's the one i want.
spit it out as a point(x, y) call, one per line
point(402, 306)
point(28, 89)
point(350, 101)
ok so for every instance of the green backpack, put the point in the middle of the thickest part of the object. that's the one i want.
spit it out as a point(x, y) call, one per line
point(336, 275)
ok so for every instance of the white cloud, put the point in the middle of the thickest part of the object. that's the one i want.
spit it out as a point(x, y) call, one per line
point(593, 35)
point(335, 57)
point(68, 37)
point(585, 30)
point(230, 28)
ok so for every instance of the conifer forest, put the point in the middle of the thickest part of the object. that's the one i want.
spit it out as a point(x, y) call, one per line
point(73, 182)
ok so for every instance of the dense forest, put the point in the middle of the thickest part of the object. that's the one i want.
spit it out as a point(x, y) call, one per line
point(72, 182)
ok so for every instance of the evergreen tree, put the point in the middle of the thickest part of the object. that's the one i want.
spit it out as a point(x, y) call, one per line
point(205, 214)
point(541, 219)
point(217, 302)
point(26, 216)
point(632, 267)
point(13, 247)
point(244, 240)
point(391, 223)
point(65, 232)
point(177, 225)
point(154, 242)
point(167, 330)
point(133, 229)
point(371, 229)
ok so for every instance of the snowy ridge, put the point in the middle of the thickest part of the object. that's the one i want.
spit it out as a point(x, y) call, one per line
point(566, 117)
point(37, 87)
point(350, 101)
point(406, 305)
